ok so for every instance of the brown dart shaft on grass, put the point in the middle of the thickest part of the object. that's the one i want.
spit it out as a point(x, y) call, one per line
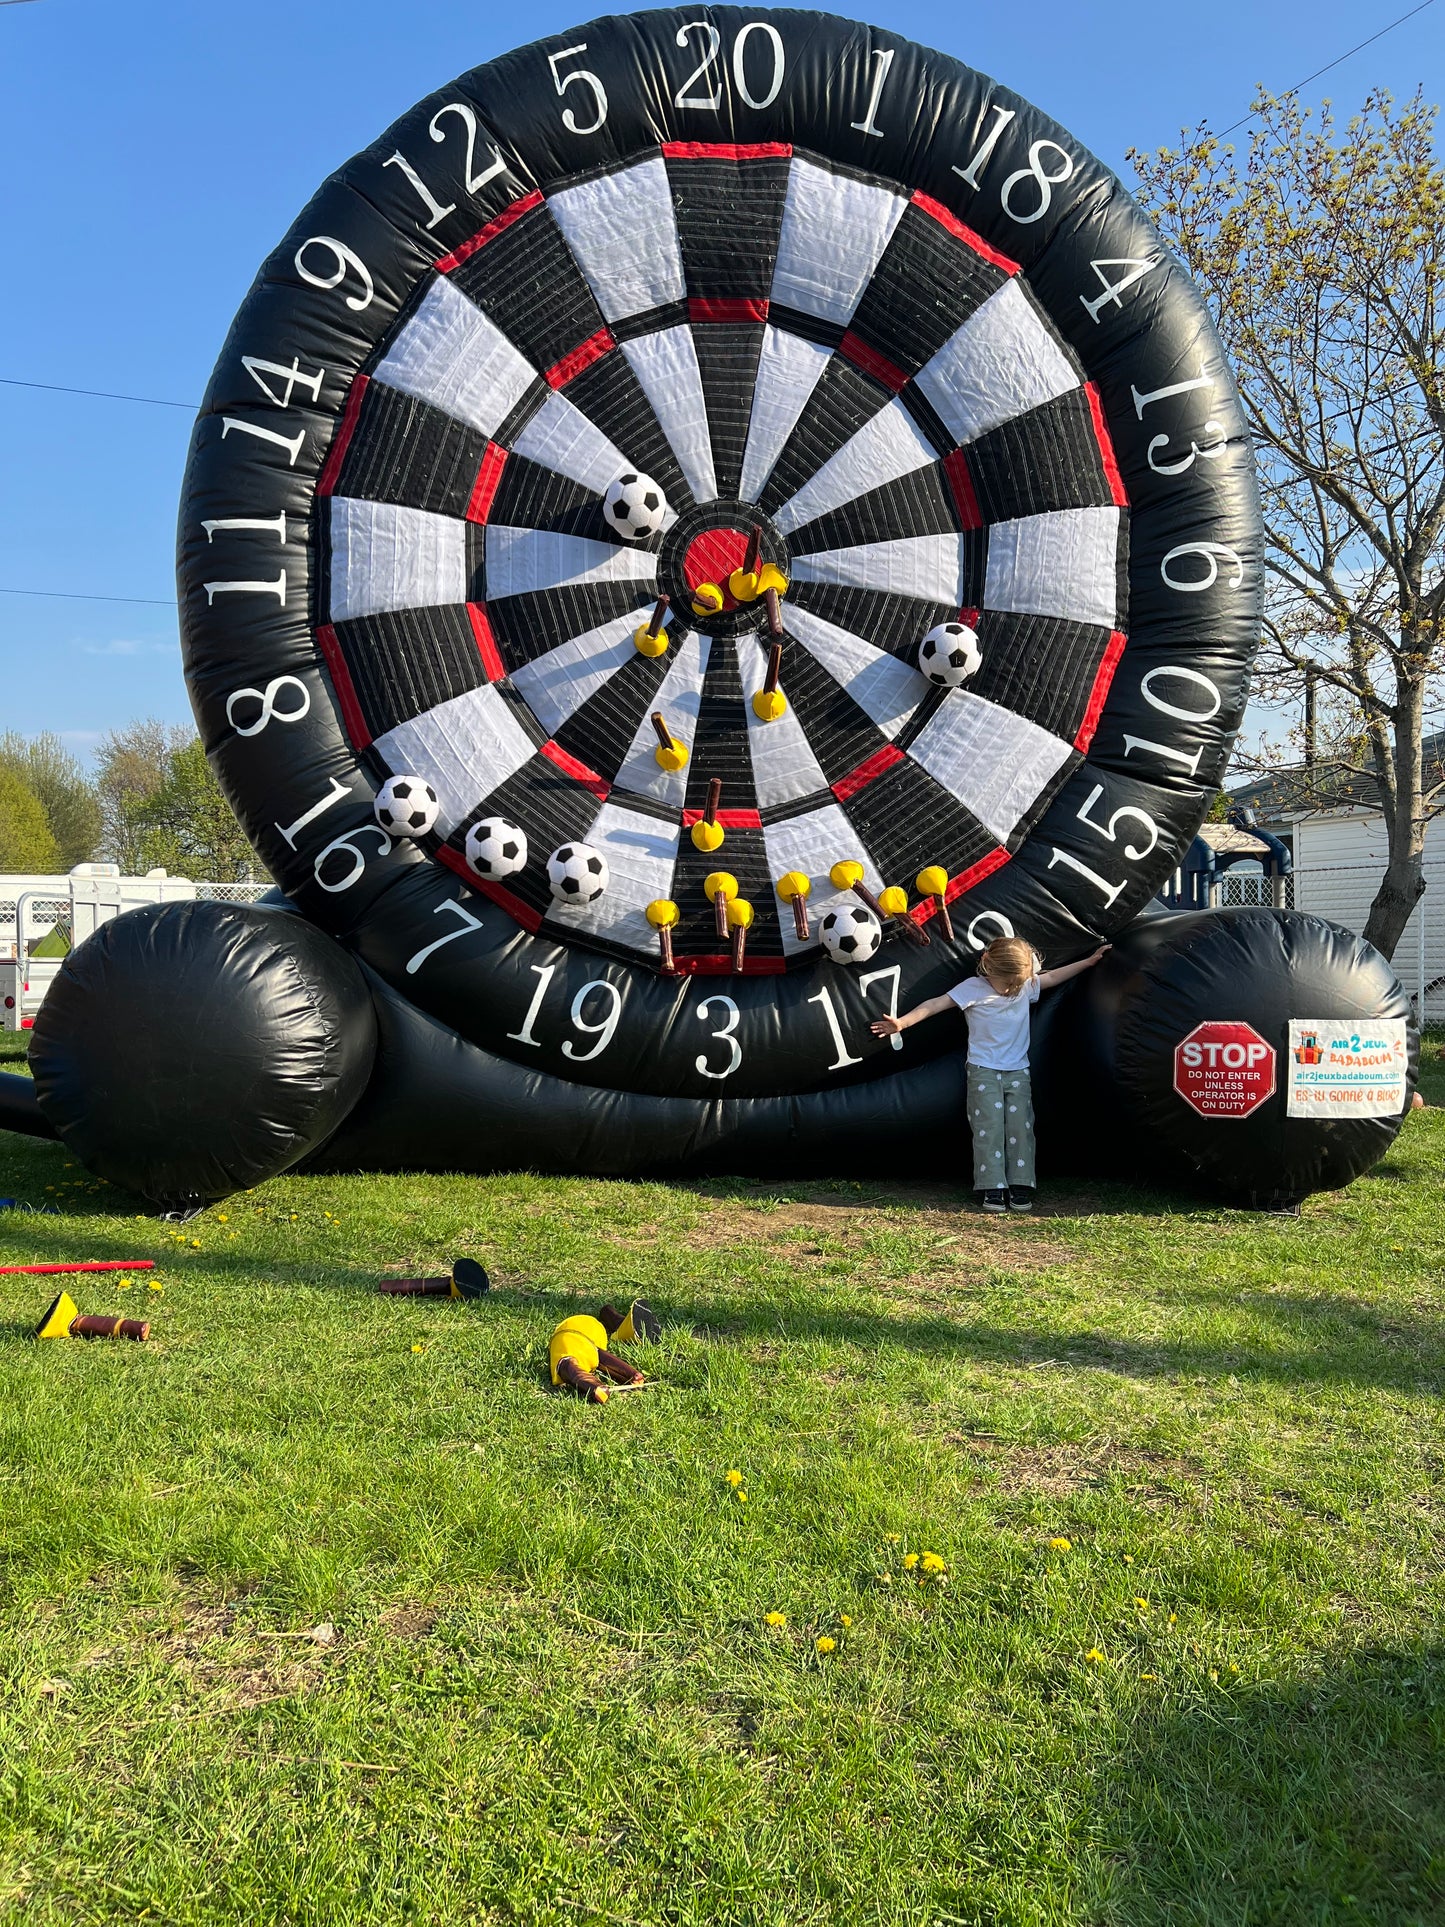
point(91, 1325)
point(775, 612)
point(714, 797)
point(664, 734)
point(415, 1287)
point(775, 668)
point(755, 548)
point(571, 1373)
point(618, 1369)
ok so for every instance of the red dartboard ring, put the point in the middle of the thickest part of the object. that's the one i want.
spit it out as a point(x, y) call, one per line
point(811, 279)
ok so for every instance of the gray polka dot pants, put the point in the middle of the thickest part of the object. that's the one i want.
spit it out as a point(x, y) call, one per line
point(1001, 1118)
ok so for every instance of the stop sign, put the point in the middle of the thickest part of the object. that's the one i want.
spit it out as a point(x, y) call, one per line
point(1224, 1070)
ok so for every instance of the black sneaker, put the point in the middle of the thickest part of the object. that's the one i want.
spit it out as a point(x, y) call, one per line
point(1021, 1197)
point(994, 1200)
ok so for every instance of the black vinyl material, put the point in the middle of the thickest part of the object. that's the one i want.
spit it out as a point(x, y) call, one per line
point(187, 1050)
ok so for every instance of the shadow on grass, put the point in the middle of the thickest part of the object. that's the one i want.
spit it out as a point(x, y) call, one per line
point(1319, 1800)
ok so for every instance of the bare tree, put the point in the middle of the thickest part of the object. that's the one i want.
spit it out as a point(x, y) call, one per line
point(132, 765)
point(1322, 254)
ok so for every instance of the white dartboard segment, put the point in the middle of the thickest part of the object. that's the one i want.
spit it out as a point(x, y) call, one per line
point(561, 438)
point(621, 231)
point(890, 445)
point(834, 232)
point(1002, 362)
point(813, 843)
point(554, 686)
point(464, 748)
point(789, 369)
point(385, 556)
point(641, 852)
point(784, 766)
point(524, 561)
point(450, 355)
point(928, 567)
point(885, 687)
point(666, 366)
point(678, 699)
point(1064, 563)
point(994, 762)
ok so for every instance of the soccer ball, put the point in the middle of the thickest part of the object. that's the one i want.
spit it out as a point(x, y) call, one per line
point(577, 873)
point(496, 848)
point(634, 507)
point(407, 806)
point(850, 934)
point(949, 654)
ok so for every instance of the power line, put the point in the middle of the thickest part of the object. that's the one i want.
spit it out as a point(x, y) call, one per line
point(66, 595)
point(1340, 61)
point(101, 394)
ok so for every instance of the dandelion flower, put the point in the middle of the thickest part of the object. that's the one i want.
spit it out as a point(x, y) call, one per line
point(124, 1285)
point(742, 1496)
point(824, 1644)
point(1142, 1604)
point(1128, 1558)
point(223, 1217)
point(195, 1244)
point(418, 1348)
point(1094, 1655)
point(1061, 1544)
point(1232, 1667)
point(151, 1284)
point(932, 1563)
point(1172, 1618)
point(734, 1477)
point(910, 1560)
point(845, 1620)
point(1153, 1676)
point(775, 1619)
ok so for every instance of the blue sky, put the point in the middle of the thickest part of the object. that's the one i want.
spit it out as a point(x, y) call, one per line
point(152, 153)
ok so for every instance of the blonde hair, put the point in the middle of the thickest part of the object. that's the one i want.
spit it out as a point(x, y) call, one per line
point(1008, 963)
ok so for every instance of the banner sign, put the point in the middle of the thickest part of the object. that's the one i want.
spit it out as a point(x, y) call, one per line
point(1340, 1072)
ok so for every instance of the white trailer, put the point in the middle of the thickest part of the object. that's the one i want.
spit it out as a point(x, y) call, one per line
point(31, 907)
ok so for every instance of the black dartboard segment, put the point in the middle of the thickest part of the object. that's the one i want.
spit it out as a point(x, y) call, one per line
point(830, 291)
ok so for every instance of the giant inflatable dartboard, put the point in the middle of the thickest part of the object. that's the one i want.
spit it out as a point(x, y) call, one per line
point(822, 290)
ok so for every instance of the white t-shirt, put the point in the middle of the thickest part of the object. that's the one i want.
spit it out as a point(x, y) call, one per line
point(998, 1026)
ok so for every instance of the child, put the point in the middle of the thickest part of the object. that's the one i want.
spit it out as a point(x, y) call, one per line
point(1000, 1105)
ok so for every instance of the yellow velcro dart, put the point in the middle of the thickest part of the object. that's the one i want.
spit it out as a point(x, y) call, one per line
point(706, 836)
point(57, 1321)
point(674, 756)
point(932, 882)
point(844, 875)
point(707, 599)
point(770, 576)
point(581, 1325)
point(662, 913)
point(893, 901)
point(743, 586)
point(650, 642)
point(769, 705)
point(571, 1344)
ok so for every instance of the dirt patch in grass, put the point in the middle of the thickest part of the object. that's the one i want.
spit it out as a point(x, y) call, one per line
point(1057, 1471)
point(814, 1229)
point(409, 1622)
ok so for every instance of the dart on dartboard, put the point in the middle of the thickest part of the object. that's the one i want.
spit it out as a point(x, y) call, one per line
point(707, 832)
point(793, 887)
point(670, 753)
point(719, 888)
point(740, 920)
point(652, 639)
point(707, 599)
point(775, 612)
point(893, 902)
point(933, 882)
point(743, 582)
point(848, 875)
point(662, 914)
point(770, 702)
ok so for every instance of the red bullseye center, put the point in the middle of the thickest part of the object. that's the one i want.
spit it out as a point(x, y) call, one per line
point(712, 557)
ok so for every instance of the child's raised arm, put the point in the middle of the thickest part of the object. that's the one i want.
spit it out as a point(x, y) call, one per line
point(1048, 978)
point(890, 1026)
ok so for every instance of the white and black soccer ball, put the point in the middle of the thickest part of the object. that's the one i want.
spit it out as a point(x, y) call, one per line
point(496, 848)
point(634, 507)
point(577, 873)
point(949, 654)
point(407, 806)
point(850, 934)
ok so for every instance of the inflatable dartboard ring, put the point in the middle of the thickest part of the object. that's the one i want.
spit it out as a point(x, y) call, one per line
point(792, 276)
point(688, 477)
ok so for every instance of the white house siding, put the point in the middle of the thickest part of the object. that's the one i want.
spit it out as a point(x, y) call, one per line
point(1339, 859)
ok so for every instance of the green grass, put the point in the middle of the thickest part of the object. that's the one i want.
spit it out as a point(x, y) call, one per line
point(323, 1609)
